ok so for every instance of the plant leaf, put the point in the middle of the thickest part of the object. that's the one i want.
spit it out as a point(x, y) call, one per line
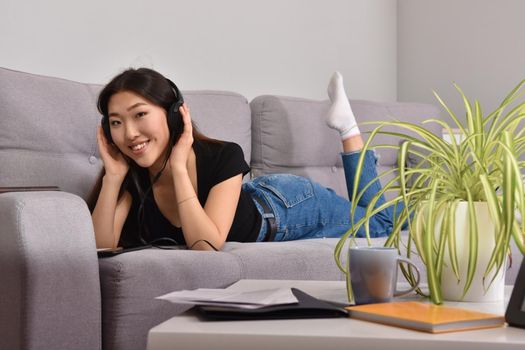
point(434, 284)
point(443, 237)
point(473, 243)
point(452, 247)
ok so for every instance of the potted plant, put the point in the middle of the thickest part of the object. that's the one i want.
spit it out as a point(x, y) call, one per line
point(460, 198)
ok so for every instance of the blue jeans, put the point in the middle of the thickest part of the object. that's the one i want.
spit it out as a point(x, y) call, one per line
point(304, 209)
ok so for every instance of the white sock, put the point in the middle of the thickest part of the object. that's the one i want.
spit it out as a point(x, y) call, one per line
point(340, 116)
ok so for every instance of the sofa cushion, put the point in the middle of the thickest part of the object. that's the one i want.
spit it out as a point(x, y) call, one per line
point(310, 259)
point(222, 115)
point(290, 136)
point(131, 281)
point(367, 111)
point(47, 132)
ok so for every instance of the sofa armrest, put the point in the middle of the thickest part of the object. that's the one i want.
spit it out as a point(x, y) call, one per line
point(49, 280)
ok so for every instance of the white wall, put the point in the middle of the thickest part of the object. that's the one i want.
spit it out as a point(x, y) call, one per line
point(287, 47)
point(479, 44)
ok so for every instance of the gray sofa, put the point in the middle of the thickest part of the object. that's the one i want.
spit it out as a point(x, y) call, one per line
point(54, 291)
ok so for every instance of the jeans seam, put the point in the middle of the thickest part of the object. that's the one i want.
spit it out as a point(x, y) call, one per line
point(288, 204)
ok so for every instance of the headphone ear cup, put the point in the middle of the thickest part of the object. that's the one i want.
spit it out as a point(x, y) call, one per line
point(175, 123)
point(105, 129)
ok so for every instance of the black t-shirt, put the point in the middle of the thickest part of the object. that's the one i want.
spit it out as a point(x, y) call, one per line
point(216, 162)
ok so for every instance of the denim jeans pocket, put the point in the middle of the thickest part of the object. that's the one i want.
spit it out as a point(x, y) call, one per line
point(290, 189)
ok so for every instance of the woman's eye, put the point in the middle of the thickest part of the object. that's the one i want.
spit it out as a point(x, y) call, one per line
point(141, 114)
point(114, 122)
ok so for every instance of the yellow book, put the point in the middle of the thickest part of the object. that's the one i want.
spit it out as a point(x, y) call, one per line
point(425, 317)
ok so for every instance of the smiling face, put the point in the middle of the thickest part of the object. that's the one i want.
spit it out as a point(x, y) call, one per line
point(139, 129)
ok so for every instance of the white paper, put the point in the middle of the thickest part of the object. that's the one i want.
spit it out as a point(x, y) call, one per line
point(229, 298)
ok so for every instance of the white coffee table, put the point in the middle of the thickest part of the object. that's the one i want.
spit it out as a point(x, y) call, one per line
point(187, 331)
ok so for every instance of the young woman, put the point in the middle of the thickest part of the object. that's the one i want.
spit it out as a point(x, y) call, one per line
point(164, 181)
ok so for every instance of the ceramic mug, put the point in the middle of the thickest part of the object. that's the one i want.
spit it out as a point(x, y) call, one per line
point(373, 274)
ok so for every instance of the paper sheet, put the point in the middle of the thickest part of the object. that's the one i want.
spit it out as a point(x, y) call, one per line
point(226, 297)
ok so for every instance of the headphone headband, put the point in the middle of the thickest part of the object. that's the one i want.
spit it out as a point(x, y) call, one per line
point(178, 95)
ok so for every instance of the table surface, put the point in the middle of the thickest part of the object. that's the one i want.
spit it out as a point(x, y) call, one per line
point(187, 331)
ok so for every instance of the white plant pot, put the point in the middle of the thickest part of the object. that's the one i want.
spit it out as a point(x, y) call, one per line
point(479, 290)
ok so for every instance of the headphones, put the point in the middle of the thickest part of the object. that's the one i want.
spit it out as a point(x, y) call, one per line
point(174, 117)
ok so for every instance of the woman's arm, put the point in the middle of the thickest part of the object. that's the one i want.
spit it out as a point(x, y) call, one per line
point(110, 211)
point(213, 221)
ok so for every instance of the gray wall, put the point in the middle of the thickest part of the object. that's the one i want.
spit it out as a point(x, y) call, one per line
point(386, 49)
point(479, 44)
point(287, 47)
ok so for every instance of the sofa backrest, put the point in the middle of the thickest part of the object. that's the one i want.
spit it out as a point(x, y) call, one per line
point(290, 136)
point(47, 132)
point(222, 115)
point(48, 129)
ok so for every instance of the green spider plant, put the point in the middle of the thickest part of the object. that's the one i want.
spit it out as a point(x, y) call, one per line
point(483, 167)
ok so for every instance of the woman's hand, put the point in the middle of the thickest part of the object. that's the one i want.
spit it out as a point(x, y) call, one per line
point(181, 150)
point(114, 162)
